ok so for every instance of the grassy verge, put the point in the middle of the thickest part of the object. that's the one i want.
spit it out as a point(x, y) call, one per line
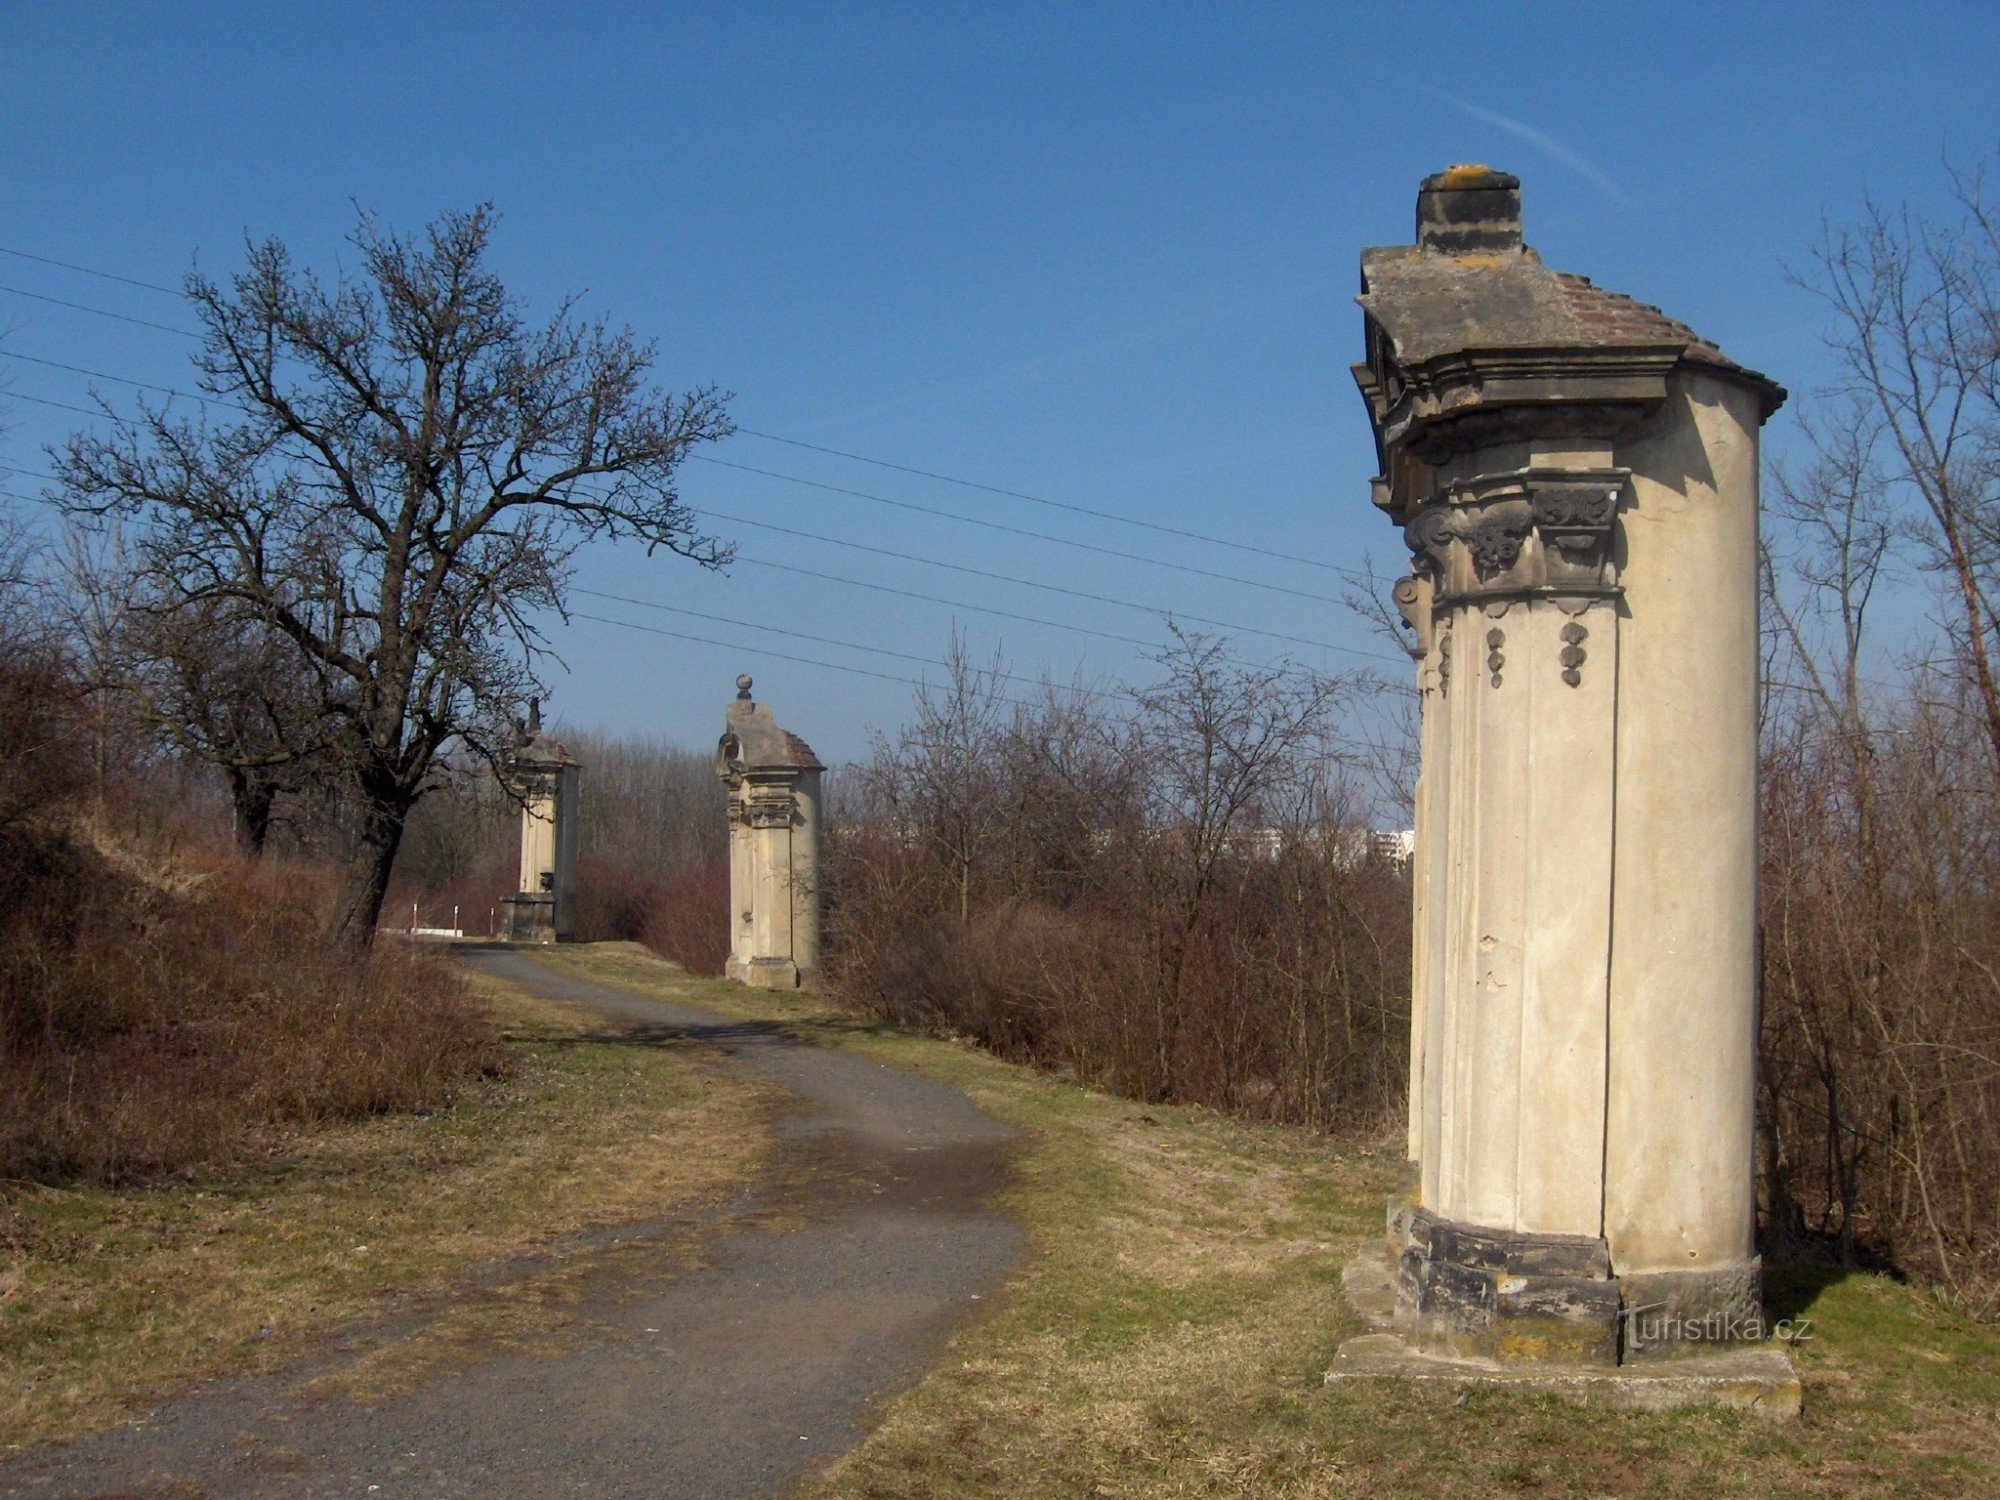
point(1181, 1304)
point(110, 1297)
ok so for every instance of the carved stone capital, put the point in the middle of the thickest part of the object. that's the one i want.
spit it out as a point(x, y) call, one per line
point(1520, 535)
point(768, 807)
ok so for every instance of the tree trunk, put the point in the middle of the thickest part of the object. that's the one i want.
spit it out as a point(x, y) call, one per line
point(250, 800)
point(367, 880)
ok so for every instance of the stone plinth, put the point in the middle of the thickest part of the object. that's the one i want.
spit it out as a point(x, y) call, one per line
point(1756, 1378)
point(527, 918)
point(544, 777)
point(1575, 475)
point(774, 901)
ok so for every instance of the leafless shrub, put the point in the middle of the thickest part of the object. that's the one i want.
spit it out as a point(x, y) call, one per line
point(1160, 891)
point(149, 1030)
point(1880, 1067)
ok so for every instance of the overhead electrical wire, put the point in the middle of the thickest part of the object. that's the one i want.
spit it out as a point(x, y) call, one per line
point(70, 265)
point(834, 541)
point(1053, 588)
point(834, 666)
point(1039, 536)
point(682, 635)
point(1071, 506)
point(827, 640)
point(825, 577)
point(81, 411)
point(981, 609)
point(824, 540)
point(818, 485)
point(101, 312)
point(1159, 527)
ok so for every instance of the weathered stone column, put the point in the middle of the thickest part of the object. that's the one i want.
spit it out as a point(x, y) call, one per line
point(774, 902)
point(545, 776)
point(1576, 477)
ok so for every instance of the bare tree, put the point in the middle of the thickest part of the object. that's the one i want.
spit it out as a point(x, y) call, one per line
point(1916, 330)
point(1229, 747)
point(937, 781)
point(1880, 1058)
point(219, 685)
point(406, 469)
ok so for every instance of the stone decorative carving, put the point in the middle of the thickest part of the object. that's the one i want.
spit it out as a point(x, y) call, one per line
point(1430, 535)
point(1495, 639)
point(1494, 540)
point(1519, 534)
point(1576, 518)
point(1572, 652)
point(768, 813)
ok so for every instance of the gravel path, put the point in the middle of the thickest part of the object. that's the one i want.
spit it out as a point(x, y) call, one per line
point(812, 1297)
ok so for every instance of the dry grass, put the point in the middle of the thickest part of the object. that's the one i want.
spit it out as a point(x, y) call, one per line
point(1170, 1333)
point(110, 1296)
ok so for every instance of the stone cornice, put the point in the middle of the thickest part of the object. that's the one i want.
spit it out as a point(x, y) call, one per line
point(1473, 398)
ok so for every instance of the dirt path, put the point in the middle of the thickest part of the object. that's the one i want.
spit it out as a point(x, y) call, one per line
point(730, 1378)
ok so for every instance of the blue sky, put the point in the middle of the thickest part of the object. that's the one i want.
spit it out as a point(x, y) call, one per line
point(1103, 255)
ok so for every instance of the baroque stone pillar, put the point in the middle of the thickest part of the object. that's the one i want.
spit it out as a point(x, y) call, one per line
point(774, 900)
point(544, 776)
point(1575, 475)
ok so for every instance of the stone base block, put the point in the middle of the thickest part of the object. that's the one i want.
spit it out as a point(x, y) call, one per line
point(1475, 1293)
point(1669, 1313)
point(528, 917)
point(1479, 1294)
point(1751, 1378)
point(766, 973)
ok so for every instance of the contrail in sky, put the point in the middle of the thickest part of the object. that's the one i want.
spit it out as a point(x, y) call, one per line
point(1540, 140)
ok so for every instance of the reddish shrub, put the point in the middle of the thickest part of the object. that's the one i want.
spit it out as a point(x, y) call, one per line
point(687, 918)
point(146, 1033)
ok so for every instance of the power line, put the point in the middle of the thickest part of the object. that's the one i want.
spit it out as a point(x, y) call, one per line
point(827, 640)
point(81, 411)
point(825, 577)
point(101, 312)
point(1053, 588)
point(1040, 536)
point(144, 385)
point(790, 479)
point(70, 265)
point(682, 635)
point(1082, 510)
point(770, 437)
point(736, 520)
point(761, 562)
point(982, 609)
point(834, 666)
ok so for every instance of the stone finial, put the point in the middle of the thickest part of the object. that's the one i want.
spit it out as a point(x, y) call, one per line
point(743, 688)
point(534, 716)
point(1469, 209)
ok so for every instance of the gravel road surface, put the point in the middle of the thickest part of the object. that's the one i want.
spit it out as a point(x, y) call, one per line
point(731, 1376)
